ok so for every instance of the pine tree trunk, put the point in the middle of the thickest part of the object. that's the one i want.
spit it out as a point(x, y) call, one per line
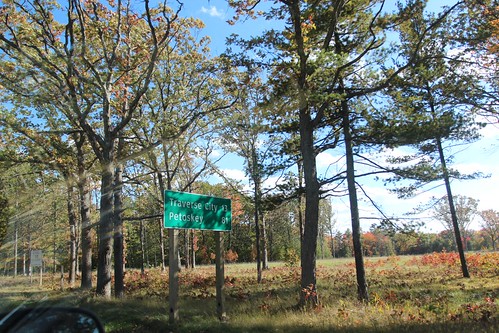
point(300, 201)
point(255, 177)
point(309, 245)
point(362, 291)
point(455, 224)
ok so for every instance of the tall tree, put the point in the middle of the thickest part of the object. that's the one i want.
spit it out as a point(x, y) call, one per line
point(429, 113)
point(246, 134)
point(189, 89)
point(100, 62)
point(317, 71)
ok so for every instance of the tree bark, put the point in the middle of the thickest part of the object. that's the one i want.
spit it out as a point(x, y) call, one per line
point(106, 229)
point(119, 260)
point(300, 201)
point(362, 291)
point(265, 259)
point(257, 231)
point(455, 224)
point(161, 226)
point(309, 244)
point(54, 241)
point(193, 248)
point(86, 236)
point(187, 249)
point(72, 234)
point(15, 249)
point(142, 247)
point(86, 229)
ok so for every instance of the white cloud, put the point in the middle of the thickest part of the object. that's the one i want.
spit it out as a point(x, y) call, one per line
point(490, 131)
point(325, 159)
point(234, 174)
point(212, 11)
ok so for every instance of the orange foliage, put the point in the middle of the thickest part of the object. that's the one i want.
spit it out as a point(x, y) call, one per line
point(478, 263)
point(231, 256)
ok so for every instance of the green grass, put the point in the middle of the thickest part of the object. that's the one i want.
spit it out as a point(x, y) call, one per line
point(406, 294)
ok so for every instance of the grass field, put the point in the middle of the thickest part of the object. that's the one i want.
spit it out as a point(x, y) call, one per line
point(407, 294)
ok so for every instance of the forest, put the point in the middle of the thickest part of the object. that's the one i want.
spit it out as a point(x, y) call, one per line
point(105, 105)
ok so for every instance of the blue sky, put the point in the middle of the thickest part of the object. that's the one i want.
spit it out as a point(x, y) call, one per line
point(482, 155)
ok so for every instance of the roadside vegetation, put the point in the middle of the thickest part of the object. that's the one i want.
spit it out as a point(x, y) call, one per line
point(106, 105)
point(423, 293)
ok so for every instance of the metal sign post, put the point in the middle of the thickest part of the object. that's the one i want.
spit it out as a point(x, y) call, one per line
point(173, 274)
point(36, 260)
point(193, 211)
point(220, 276)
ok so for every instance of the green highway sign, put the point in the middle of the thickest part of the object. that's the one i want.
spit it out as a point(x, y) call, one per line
point(194, 211)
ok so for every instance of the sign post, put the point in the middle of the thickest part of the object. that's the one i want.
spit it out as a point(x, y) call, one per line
point(193, 211)
point(173, 274)
point(36, 260)
point(220, 276)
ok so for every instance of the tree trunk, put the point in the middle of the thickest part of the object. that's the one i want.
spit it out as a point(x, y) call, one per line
point(142, 247)
point(187, 249)
point(72, 235)
point(300, 201)
point(86, 229)
point(54, 241)
point(265, 259)
point(106, 229)
point(362, 291)
point(455, 224)
point(257, 235)
point(119, 260)
point(161, 226)
point(86, 234)
point(193, 249)
point(15, 249)
point(309, 244)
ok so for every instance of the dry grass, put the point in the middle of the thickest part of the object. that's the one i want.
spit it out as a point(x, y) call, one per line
point(408, 294)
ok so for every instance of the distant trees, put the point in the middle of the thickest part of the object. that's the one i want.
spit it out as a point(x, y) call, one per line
point(247, 137)
point(466, 210)
point(490, 225)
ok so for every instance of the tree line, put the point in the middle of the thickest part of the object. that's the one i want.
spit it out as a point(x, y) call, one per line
point(105, 105)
